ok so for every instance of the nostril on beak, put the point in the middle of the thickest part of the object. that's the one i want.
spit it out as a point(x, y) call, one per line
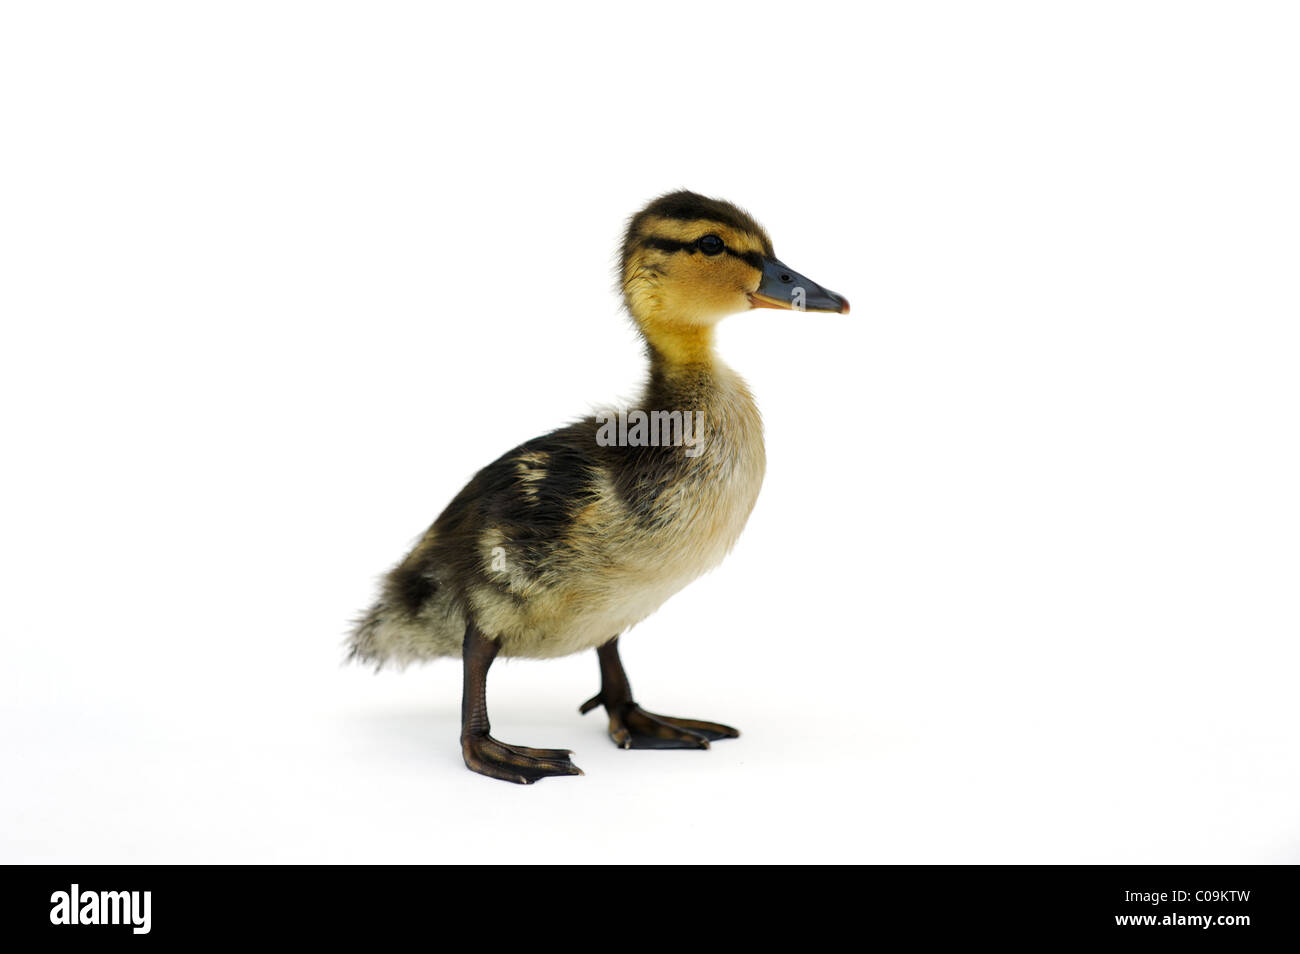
point(785, 278)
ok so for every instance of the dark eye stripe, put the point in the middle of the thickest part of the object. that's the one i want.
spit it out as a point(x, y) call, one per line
point(667, 245)
point(753, 259)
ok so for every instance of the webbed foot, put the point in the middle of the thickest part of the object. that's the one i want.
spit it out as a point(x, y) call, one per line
point(632, 727)
point(515, 763)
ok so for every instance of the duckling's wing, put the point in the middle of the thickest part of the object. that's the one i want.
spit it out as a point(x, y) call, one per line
point(507, 531)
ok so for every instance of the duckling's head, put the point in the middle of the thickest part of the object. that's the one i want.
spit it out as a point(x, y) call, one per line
point(689, 261)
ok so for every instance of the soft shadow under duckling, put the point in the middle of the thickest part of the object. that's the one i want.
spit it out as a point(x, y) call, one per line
point(568, 540)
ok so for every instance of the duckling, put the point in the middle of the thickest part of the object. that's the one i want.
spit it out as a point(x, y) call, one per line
point(564, 543)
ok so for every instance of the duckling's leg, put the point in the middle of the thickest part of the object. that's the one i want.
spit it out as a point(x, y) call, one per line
point(484, 754)
point(631, 727)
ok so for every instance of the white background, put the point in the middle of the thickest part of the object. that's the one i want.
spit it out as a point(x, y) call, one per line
point(1021, 586)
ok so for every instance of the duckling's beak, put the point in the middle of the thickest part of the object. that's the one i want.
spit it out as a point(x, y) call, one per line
point(783, 287)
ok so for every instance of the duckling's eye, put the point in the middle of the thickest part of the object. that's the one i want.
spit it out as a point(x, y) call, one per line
point(710, 245)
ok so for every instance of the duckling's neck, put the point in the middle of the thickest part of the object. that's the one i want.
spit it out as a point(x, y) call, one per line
point(686, 373)
point(677, 346)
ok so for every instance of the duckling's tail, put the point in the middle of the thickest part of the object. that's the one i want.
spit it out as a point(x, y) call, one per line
point(388, 634)
point(365, 644)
